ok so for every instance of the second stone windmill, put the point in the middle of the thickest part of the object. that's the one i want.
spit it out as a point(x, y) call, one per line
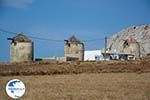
point(73, 48)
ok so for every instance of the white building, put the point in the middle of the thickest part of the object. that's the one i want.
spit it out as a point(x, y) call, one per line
point(93, 55)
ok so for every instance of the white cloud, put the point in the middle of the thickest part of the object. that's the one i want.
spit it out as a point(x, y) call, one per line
point(16, 3)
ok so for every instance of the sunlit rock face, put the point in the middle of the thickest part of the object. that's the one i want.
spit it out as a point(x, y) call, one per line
point(139, 37)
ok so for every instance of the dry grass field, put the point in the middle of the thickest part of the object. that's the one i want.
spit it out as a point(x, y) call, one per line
point(79, 80)
point(94, 86)
point(45, 68)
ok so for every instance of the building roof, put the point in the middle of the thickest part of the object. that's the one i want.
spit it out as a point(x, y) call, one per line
point(73, 39)
point(21, 38)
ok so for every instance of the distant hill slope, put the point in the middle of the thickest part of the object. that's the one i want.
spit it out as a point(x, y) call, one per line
point(141, 33)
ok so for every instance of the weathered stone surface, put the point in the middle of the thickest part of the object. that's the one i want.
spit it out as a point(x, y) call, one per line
point(21, 49)
point(140, 33)
point(74, 48)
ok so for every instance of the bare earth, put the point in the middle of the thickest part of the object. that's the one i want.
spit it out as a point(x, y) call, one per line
point(92, 86)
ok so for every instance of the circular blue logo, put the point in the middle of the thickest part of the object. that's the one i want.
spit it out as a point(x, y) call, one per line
point(15, 88)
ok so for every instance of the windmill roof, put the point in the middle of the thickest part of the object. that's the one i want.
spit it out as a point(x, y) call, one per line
point(21, 38)
point(73, 39)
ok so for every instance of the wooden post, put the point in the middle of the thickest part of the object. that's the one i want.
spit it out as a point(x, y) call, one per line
point(105, 47)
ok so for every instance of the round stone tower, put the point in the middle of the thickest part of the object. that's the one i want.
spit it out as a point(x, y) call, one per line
point(21, 49)
point(131, 46)
point(74, 48)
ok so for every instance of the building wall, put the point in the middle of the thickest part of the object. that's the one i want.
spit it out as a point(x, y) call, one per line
point(61, 59)
point(133, 49)
point(56, 59)
point(74, 50)
point(92, 54)
point(21, 51)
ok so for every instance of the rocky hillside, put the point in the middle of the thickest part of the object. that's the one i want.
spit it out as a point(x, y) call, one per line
point(140, 33)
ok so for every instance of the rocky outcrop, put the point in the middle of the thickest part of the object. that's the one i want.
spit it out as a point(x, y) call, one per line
point(140, 33)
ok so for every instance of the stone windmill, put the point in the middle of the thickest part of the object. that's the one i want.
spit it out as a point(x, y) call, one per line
point(74, 48)
point(21, 48)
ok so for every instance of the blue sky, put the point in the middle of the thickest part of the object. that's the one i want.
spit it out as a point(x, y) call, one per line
point(59, 19)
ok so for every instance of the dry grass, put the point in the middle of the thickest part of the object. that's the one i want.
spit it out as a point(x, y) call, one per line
point(40, 68)
point(79, 80)
point(96, 86)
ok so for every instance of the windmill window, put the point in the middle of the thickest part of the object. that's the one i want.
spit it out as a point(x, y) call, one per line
point(76, 52)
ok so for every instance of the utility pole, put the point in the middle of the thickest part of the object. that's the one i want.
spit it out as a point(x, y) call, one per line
point(105, 47)
point(139, 50)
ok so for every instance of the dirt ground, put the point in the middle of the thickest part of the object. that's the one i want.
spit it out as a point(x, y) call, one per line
point(92, 86)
